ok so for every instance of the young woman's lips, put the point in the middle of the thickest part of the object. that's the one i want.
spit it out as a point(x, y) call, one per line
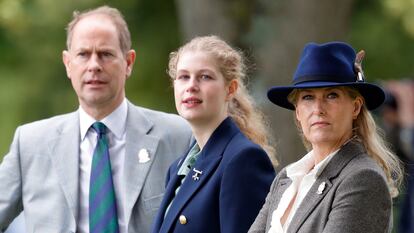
point(191, 102)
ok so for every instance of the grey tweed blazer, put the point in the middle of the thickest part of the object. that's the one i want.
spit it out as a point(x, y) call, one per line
point(355, 198)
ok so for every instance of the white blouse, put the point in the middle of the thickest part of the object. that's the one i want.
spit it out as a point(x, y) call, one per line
point(303, 174)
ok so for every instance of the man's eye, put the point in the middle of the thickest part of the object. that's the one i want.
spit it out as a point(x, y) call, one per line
point(106, 54)
point(82, 54)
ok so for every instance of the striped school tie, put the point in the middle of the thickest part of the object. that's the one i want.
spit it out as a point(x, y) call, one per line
point(103, 216)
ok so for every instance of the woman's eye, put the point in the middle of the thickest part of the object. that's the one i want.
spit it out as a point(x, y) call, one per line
point(206, 77)
point(307, 97)
point(182, 77)
point(333, 95)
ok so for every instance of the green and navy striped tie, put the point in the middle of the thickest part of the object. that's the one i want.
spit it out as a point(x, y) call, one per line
point(103, 216)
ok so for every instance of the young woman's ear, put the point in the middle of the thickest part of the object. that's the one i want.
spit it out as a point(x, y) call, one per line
point(232, 88)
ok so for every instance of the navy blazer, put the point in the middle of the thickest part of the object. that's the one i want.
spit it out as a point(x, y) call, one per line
point(236, 176)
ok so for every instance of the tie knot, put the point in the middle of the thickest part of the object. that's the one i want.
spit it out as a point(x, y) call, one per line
point(99, 127)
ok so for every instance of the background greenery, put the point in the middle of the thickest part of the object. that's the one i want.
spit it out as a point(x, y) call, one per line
point(33, 83)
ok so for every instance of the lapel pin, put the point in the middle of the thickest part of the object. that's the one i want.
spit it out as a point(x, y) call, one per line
point(143, 156)
point(197, 174)
point(321, 188)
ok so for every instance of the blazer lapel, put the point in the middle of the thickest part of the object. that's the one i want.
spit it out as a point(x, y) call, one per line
point(189, 188)
point(138, 142)
point(206, 165)
point(324, 183)
point(282, 185)
point(169, 194)
point(64, 154)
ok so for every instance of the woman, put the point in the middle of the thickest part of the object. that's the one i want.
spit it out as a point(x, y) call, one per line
point(346, 181)
point(221, 184)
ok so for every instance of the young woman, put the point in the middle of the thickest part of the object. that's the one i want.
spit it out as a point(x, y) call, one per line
point(221, 183)
point(346, 181)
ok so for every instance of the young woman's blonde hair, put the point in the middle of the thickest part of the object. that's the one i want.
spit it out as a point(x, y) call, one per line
point(241, 108)
point(371, 136)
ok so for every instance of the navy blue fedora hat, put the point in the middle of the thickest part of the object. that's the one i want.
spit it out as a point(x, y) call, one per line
point(327, 65)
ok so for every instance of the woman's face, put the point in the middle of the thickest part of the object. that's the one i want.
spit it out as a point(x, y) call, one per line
point(201, 94)
point(326, 115)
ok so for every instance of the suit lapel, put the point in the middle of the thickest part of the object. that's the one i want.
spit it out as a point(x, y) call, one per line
point(138, 140)
point(207, 163)
point(315, 196)
point(64, 154)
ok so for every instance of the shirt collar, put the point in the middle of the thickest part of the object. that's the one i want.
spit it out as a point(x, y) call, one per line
point(115, 122)
point(192, 156)
point(307, 164)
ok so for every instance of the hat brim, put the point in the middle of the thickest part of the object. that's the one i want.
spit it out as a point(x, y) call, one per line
point(374, 95)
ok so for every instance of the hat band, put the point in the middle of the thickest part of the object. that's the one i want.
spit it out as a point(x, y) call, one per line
point(323, 78)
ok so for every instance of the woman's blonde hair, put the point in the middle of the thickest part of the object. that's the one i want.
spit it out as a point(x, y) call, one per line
point(241, 108)
point(371, 136)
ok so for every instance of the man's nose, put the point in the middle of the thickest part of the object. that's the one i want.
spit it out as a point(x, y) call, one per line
point(94, 64)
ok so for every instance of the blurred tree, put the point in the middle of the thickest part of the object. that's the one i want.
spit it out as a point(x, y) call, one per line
point(274, 32)
point(33, 83)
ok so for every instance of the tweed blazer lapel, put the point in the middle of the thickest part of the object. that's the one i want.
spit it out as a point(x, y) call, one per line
point(314, 197)
point(64, 154)
point(207, 163)
point(138, 140)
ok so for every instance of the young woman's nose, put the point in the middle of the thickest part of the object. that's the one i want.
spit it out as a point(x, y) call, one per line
point(192, 84)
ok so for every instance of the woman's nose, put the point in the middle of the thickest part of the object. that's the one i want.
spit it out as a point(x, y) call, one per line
point(192, 85)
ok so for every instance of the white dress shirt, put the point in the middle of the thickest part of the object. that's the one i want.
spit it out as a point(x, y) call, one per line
point(115, 123)
point(303, 174)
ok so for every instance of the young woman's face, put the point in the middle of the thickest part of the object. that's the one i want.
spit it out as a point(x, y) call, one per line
point(326, 115)
point(201, 93)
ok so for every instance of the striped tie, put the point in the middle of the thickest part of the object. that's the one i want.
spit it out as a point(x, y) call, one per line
point(103, 216)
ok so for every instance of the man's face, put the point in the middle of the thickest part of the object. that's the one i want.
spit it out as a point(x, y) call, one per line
point(96, 65)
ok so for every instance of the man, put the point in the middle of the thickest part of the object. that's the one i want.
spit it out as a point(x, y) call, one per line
point(101, 168)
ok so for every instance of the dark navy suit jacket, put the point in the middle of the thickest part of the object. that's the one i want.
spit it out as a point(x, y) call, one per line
point(236, 176)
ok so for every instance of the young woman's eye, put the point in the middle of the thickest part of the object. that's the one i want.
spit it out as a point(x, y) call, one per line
point(206, 77)
point(182, 77)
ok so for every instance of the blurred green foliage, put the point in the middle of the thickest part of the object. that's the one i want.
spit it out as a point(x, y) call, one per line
point(379, 29)
point(33, 83)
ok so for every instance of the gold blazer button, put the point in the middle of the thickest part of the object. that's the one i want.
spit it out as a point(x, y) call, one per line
point(183, 219)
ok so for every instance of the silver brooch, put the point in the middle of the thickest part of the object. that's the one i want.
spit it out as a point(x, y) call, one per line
point(197, 174)
point(321, 188)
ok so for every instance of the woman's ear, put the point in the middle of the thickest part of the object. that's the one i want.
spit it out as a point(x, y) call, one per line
point(232, 88)
point(357, 107)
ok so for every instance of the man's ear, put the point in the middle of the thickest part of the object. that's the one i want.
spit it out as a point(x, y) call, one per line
point(66, 62)
point(130, 59)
